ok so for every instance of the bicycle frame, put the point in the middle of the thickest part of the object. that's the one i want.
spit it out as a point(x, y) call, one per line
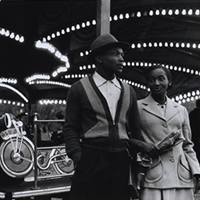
point(19, 156)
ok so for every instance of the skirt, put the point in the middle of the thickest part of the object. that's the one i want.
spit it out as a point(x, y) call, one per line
point(167, 194)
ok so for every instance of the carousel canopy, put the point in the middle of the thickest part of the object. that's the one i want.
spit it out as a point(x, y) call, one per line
point(44, 44)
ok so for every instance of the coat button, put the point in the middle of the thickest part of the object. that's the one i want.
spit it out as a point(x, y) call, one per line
point(171, 159)
point(165, 125)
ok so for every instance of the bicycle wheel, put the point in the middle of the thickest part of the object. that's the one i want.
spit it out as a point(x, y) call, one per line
point(17, 164)
point(62, 164)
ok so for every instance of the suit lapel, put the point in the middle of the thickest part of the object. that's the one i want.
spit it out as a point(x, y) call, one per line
point(171, 110)
point(150, 106)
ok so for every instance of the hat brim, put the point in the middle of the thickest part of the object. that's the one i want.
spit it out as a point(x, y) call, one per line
point(125, 46)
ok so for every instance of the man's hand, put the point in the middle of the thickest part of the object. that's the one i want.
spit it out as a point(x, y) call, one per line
point(76, 158)
point(149, 149)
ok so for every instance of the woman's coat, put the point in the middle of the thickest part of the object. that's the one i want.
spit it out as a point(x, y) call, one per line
point(176, 167)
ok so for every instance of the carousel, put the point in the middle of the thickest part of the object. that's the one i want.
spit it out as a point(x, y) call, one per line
point(44, 48)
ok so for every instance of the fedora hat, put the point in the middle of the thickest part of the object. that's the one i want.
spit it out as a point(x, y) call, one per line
point(103, 42)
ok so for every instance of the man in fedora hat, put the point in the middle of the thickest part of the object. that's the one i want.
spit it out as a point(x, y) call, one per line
point(100, 112)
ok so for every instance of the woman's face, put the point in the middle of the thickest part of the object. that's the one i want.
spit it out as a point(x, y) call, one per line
point(158, 82)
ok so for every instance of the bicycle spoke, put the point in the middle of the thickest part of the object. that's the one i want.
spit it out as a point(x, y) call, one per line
point(20, 146)
point(13, 146)
point(23, 158)
point(16, 143)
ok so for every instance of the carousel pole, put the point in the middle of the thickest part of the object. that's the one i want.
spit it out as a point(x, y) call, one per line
point(35, 152)
point(103, 17)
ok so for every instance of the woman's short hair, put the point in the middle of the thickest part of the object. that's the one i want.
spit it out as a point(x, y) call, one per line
point(167, 72)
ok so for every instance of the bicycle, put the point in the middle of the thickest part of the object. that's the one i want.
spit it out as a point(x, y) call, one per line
point(17, 152)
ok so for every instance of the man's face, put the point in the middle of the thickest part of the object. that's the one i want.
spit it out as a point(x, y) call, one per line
point(112, 60)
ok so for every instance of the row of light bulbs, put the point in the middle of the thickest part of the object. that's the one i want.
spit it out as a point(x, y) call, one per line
point(68, 76)
point(187, 97)
point(46, 82)
point(141, 86)
point(155, 12)
point(170, 67)
point(127, 81)
point(158, 12)
point(52, 49)
point(181, 99)
point(36, 77)
point(42, 45)
point(8, 80)
point(68, 30)
point(84, 67)
point(121, 16)
point(11, 35)
point(9, 102)
point(169, 11)
point(167, 44)
point(49, 47)
point(149, 64)
point(52, 101)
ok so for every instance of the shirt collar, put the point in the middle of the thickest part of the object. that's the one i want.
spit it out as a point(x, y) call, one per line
point(165, 103)
point(99, 80)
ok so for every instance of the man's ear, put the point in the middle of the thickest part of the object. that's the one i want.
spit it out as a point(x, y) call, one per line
point(98, 59)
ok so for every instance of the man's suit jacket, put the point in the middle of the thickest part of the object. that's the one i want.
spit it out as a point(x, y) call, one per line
point(174, 168)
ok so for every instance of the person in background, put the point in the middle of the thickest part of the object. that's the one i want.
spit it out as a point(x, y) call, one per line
point(100, 112)
point(171, 172)
point(57, 136)
point(194, 117)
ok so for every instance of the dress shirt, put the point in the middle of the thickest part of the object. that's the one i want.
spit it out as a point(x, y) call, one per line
point(110, 89)
point(161, 107)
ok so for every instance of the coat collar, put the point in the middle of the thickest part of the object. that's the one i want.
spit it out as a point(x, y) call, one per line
point(150, 106)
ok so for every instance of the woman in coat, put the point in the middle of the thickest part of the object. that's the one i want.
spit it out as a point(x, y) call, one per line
point(172, 173)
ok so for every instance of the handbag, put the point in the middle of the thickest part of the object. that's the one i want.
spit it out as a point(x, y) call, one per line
point(133, 191)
